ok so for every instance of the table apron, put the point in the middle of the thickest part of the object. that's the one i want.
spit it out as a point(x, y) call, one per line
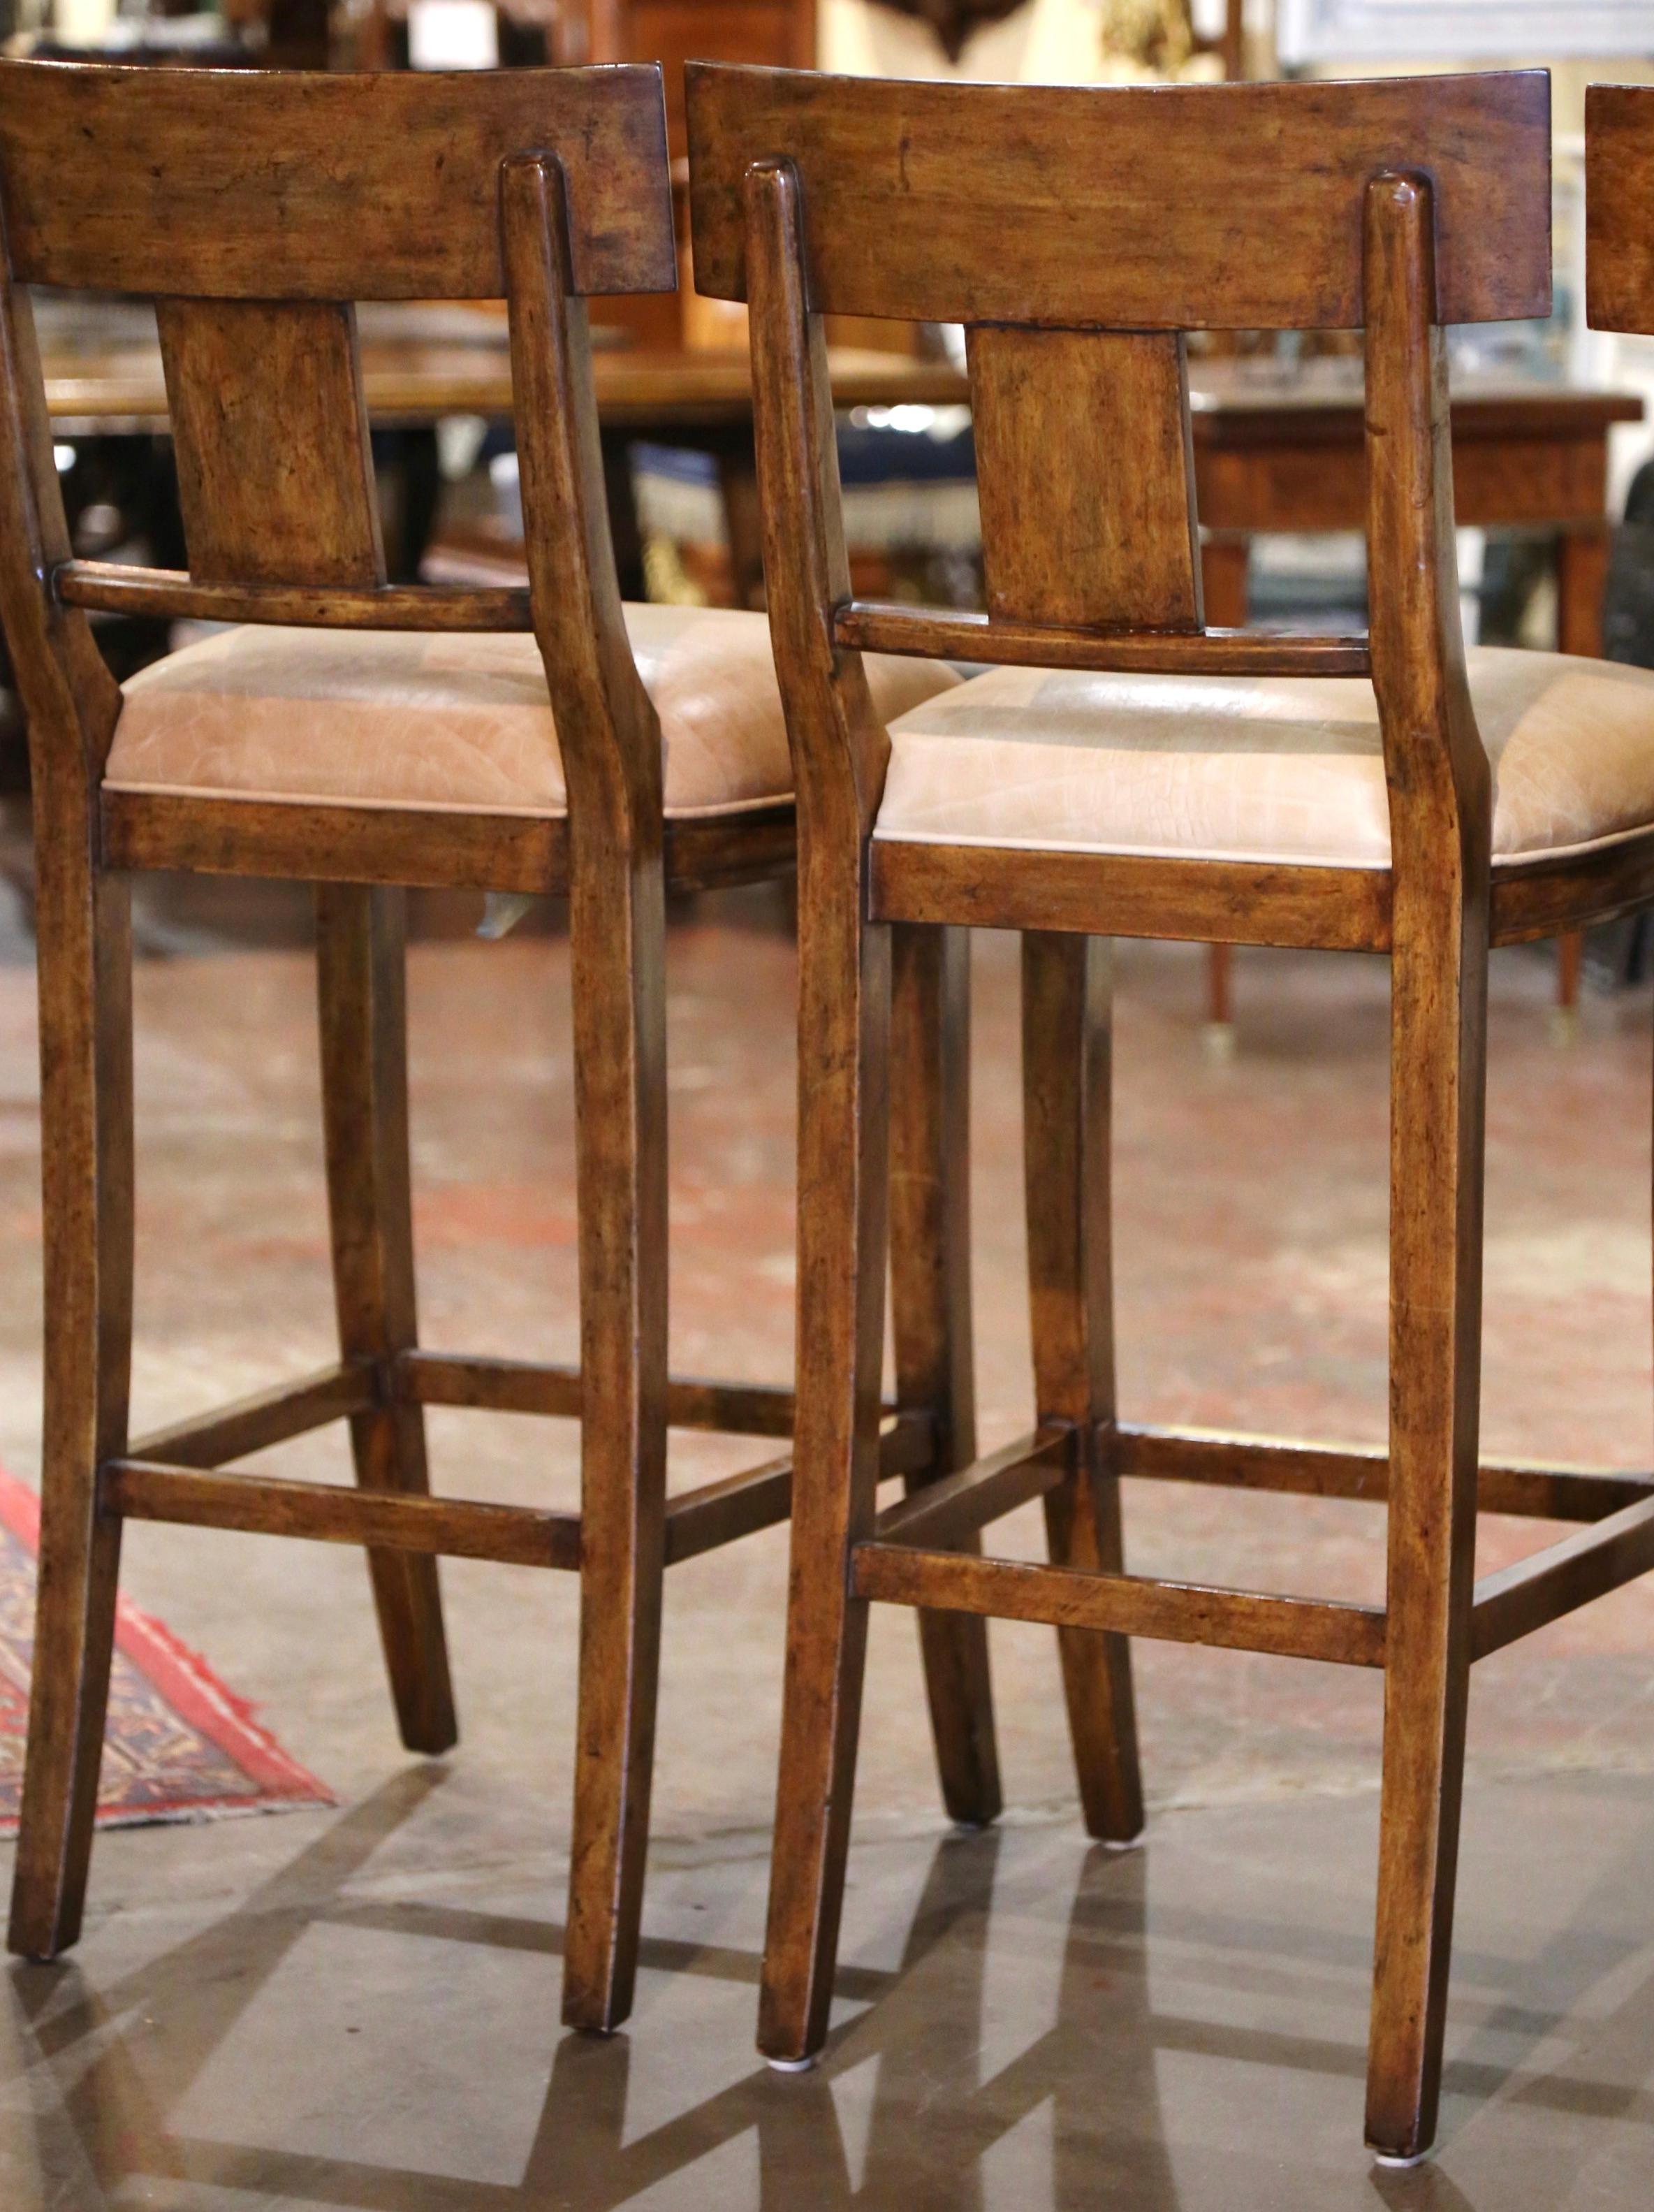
point(1537, 482)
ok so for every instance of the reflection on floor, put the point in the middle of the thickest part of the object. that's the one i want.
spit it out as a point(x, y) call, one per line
point(359, 2009)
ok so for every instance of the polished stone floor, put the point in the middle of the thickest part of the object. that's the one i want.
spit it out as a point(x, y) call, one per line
point(358, 2010)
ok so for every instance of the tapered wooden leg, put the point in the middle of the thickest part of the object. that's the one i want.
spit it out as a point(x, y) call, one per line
point(361, 990)
point(930, 1306)
point(617, 923)
point(84, 924)
point(843, 1139)
point(1437, 1088)
point(1065, 1106)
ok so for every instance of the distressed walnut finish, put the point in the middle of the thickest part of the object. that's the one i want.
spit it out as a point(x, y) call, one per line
point(261, 208)
point(1136, 214)
point(922, 209)
point(1107, 540)
point(329, 188)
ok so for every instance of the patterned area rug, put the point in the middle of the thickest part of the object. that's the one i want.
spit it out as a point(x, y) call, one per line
point(178, 1746)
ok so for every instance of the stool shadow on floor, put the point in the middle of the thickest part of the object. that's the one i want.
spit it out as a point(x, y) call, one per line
point(112, 2067)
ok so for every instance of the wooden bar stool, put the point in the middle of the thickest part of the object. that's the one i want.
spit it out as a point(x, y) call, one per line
point(365, 736)
point(1128, 771)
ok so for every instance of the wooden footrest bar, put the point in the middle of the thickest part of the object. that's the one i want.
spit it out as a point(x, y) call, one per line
point(697, 1520)
point(1517, 1599)
point(441, 1378)
point(392, 1520)
point(942, 1512)
point(1072, 1597)
point(292, 1409)
point(1535, 1492)
point(701, 1519)
point(521, 1386)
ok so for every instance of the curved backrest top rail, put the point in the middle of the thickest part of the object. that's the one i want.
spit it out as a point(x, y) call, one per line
point(254, 185)
point(1177, 207)
point(1619, 207)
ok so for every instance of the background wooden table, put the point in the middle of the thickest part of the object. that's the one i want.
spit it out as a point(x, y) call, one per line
point(1273, 453)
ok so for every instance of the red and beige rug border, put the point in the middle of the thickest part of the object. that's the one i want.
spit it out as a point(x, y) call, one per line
point(195, 1693)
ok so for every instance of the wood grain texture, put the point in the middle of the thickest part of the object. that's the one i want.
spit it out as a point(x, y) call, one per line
point(269, 433)
point(1534, 1491)
point(1131, 894)
point(610, 744)
point(930, 1317)
point(945, 1513)
point(1082, 1602)
point(719, 1512)
point(521, 1386)
point(260, 184)
point(1067, 1142)
point(759, 1498)
point(1619, 207)
point(175, 594)
point(1160, 208)
point(1106, 539)
point(414, 846)
point(1535, 898)
point(1517, 1599)
point(864, 196)
point(250, 203)
point(269, 1417)
point(415, 1529)
point(83, 933)
point(949, 632)
point(362, 1016)
point(1441, 813)
point(839, 752)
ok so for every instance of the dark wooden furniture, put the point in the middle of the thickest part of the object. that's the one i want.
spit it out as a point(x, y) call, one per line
point(254, 205)
point(1396, 207)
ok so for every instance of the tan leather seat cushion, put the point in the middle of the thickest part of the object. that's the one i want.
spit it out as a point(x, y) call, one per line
point(382, 718)
point(1257, 768)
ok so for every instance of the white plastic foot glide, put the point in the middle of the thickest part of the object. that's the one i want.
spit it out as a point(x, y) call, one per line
point(1123, 1844)
point(1564, 1027)
point(1217, 1041)
point(791, 2065)
point(1395, 2158)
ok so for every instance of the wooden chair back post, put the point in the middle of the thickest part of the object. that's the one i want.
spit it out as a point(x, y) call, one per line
point(71, 698)
point(1440, 786)
point(839, 767)
point(1078, 234)
point(607, 728)
point(256, 209)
